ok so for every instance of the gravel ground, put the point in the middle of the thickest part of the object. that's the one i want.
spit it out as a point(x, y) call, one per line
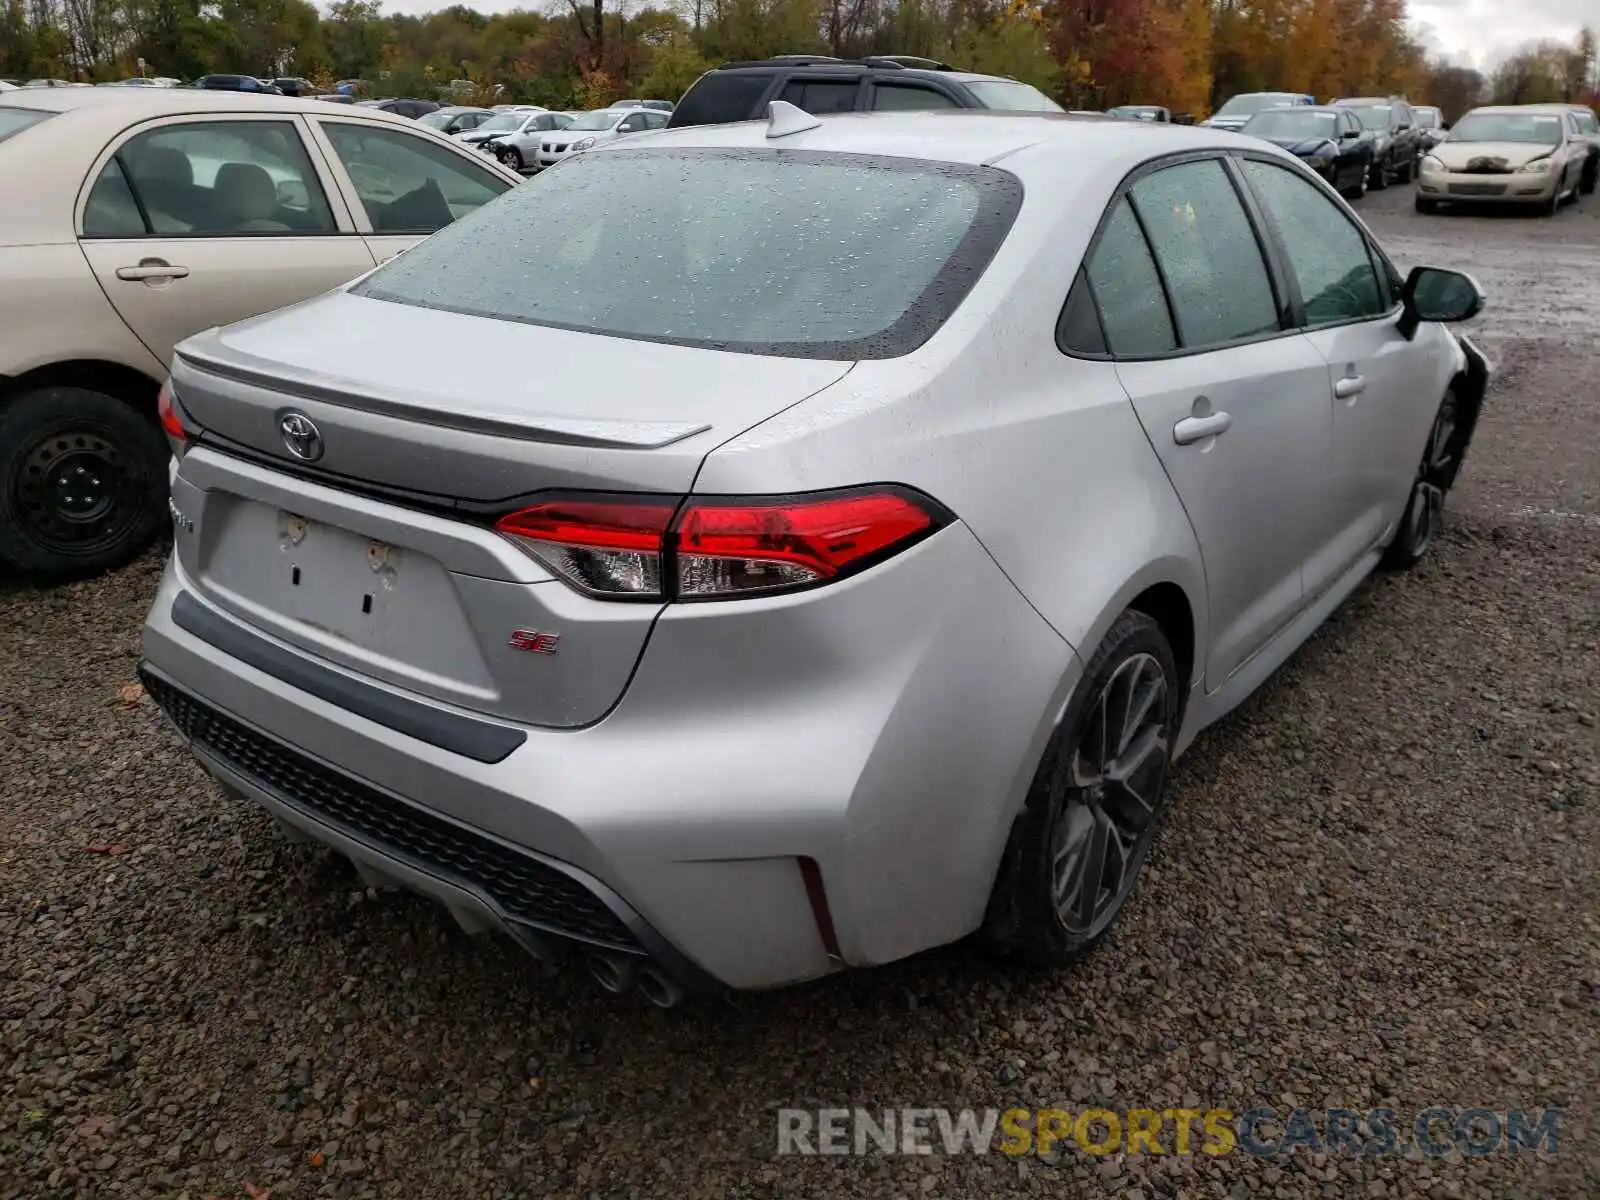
point(1378, 885)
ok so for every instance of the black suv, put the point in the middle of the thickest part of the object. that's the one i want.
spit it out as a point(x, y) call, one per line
point(741, 91)
point(1398, 141)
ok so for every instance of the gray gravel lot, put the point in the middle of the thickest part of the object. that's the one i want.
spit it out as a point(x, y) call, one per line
point(1378, 885)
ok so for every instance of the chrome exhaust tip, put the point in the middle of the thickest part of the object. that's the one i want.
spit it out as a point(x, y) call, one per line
point(660, 989)
point(611, 972)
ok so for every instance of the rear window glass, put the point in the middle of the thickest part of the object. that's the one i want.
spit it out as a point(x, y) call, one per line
point(1011, 96)
point(720, 97)
point(797, 253)
point(14, 120)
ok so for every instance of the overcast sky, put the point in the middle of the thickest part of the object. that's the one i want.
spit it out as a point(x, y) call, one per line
point(1478, 33)
point(1473, 33)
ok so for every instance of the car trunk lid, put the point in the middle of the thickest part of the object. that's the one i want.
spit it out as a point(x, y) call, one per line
point(377, 551)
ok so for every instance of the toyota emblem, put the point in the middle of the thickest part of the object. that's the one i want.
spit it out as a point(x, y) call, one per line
point(301, 437)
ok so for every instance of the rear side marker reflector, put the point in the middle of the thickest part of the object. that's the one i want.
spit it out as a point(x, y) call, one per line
point(649, 548)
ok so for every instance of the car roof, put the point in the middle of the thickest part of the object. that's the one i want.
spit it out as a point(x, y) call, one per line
point(972, 136)
point(127, 106)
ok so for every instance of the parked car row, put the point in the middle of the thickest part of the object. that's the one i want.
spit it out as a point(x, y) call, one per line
point(1541, 154)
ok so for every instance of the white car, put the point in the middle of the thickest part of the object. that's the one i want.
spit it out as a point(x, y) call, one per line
point(513, 138)
point(595, 129)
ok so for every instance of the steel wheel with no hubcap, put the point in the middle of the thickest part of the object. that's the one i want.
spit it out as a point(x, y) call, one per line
point(1112, 794)
point(74, 493)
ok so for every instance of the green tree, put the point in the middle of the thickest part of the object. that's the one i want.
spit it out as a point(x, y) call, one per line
point(673, 68)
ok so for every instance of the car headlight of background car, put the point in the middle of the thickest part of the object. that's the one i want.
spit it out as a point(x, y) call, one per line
point(1539, 166)
point(1431, 165)
point(582, 144)
point(1320, 162)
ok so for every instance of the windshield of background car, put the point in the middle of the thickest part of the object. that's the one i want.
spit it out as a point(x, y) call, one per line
point(503, 123)
point(436, 120)
point(1371, 116)
point(1288, 123)
point(604, 119)
point(1011, 96)
point(804, 254)
point(1427, 118)
point(1586, 121)
point(14, 120)
point(1542, 130)
point(1240, 105)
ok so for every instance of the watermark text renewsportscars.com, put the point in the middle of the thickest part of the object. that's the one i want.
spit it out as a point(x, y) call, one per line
point(1259, 1132)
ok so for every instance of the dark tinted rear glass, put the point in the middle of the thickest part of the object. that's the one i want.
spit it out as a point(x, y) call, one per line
point(720, 97)
point(795, 253)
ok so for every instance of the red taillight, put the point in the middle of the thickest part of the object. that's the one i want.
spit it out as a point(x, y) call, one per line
point(719, 547)
point(167, 410)
point(609, 547)
point(726, 547)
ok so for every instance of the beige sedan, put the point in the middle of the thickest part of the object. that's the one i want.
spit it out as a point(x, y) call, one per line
point(1523, 154)
point(132, 218)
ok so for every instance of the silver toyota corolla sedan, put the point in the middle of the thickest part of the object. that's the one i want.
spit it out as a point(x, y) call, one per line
point(895, 499)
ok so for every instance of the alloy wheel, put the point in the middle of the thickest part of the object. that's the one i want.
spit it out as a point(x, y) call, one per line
point(1112, 789)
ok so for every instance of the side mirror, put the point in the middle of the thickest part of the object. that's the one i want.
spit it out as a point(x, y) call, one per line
point(1348, 134)
point(1435, 294)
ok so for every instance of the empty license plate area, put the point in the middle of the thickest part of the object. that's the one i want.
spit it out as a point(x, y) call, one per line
point(385, 610)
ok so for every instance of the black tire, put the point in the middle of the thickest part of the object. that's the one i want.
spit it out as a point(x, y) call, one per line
point(1425, 205)
point(83, 482)
point(1064, 823)
point(1380, 176)
point(1358, 189)
point(1406, 173)
point(1551, 207)
point(1591, 171)
point(512, 157)
point(1424, 512)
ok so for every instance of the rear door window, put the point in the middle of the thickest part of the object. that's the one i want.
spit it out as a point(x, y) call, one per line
point(1127, 289)
point(210, 179)
point(1206, 248)
point(908, 97)
point(820, 96)
point(722, 96)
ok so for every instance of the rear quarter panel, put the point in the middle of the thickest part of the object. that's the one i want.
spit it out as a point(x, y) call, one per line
point(1041, 455)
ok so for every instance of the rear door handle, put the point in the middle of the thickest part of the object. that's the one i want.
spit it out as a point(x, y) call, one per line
point(1196, 429)
point(152, 268)
point(1350, 387)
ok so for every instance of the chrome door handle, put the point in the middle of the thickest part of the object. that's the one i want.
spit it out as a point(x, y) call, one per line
point(150, 269)
point(1349, 387)
point(1195, 429)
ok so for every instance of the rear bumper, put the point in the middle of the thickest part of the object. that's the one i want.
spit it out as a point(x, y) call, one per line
point(883, 731)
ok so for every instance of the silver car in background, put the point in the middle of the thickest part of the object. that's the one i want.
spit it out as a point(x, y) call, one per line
point(596, 129)
point(1525, 155)
point(854, 566)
